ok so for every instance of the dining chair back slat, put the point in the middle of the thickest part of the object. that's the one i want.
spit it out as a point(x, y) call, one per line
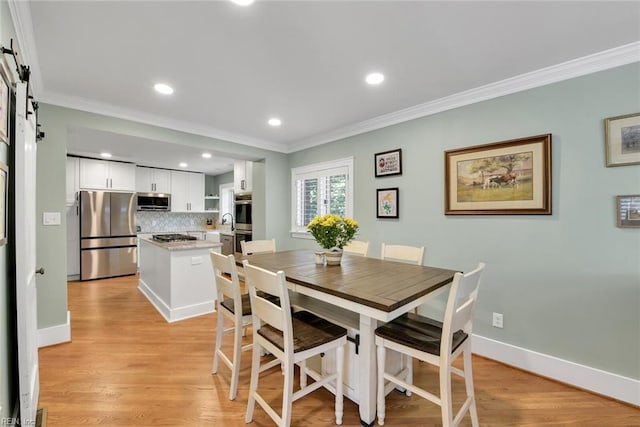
point(356, 247)
point(403, 253)
point(251, 247)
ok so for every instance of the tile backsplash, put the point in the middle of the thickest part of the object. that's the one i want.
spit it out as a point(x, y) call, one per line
point(151, 222)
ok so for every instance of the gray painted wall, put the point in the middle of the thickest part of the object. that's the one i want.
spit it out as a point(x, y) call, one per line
point(568, 284)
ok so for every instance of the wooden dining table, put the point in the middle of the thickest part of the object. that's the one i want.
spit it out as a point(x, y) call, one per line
point(371, 289)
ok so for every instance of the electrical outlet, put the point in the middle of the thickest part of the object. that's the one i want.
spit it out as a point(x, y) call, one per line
point(497, 320)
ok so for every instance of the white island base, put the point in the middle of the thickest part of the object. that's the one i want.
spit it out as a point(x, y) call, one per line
point(177, 278)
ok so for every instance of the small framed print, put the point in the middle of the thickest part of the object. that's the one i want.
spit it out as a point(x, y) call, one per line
point(5, 96)
point(622, 140)
point(388, 163)
point(628, 209)
point(387, 203)
point(4, 182)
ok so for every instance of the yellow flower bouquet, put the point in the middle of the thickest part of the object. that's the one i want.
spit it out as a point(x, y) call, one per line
point(333, 231)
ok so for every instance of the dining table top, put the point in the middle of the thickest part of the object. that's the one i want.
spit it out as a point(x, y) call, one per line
point(380, 284)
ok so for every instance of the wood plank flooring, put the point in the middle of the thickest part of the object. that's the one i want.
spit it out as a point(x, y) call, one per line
point(127, 366)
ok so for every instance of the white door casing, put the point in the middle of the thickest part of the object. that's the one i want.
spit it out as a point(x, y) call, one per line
point(26, 293)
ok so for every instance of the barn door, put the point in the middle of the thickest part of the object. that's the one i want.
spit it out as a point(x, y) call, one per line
point(26, 297)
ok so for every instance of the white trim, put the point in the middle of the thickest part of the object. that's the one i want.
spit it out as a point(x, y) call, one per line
point(55, 334)
point(174, 314)
point(598, 381)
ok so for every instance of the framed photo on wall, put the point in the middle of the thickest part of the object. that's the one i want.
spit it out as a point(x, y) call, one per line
point(4, 182)
point(622, 140)
point(387, 203)
point(628, 211)
point(5, 96)
point(504, 178)
point(388, 163)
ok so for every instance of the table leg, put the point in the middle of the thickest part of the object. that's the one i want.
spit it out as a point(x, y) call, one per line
point(368, 370)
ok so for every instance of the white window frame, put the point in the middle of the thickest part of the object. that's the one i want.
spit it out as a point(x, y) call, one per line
point(226, 200)
point(319, 170)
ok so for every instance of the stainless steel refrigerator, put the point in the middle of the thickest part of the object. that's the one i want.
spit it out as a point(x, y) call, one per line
point(108, 241)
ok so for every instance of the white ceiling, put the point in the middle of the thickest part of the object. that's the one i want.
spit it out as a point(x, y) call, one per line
point(234, 67)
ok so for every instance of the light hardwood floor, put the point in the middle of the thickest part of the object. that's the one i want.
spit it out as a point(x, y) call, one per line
point(126, 366)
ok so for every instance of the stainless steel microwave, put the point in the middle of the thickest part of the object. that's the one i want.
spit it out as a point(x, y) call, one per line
point(154, 202)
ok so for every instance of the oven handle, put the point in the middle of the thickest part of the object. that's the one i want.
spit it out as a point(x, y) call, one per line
point(243, 202)
point(243, 232)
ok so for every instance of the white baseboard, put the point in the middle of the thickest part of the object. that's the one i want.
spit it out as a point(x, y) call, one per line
point(585, 377)
point(55, 334)
point(178, 313)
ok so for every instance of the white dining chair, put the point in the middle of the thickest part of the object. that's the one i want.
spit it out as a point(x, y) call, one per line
point(356, 247)
point(258, 246)
point(437, 343)
point(274, 329)
point(236, 307)
point(402, 253)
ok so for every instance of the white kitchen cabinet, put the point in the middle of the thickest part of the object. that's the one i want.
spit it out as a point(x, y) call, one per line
point(73, 218)
point(105, 175)
point(152, 180)
point(73, 181)
point(187, 191)
point(242, 176)
point(73, 241)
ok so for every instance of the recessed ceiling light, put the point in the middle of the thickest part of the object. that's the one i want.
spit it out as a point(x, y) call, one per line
point(275, 121)
point(206, 155)
point(242, 2)
point(374, 78)
point(106, 155)
point(163, 88)
point(183, 165)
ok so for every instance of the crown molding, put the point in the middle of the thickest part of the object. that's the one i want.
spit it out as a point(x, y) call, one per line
point(612, 58)
point(23, 25)
point(83, 104)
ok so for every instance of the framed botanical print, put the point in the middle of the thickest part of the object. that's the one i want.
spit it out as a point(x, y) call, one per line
point(387, 203)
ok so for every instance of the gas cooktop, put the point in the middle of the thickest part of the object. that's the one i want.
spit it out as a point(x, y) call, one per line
point(173, 237)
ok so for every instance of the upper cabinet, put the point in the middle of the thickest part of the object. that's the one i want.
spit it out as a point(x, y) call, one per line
point(187, 191)
point(106, 175)
point(73, 178)
point(242, 176)
point(151, 180)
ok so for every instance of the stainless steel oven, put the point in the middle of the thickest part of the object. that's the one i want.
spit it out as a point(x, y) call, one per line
point(241, 236)
point(242, 210)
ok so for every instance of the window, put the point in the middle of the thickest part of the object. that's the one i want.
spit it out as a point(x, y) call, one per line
point(226, 199)
point(319, 189)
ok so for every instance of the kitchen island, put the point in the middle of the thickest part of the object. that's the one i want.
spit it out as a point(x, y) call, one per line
point(177, 277)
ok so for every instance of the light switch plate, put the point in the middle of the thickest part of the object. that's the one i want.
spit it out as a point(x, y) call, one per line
point(51, 218)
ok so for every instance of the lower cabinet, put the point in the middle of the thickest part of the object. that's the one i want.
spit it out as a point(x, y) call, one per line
point(227, 244)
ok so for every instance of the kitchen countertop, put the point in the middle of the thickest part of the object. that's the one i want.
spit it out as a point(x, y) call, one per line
point(183, 246)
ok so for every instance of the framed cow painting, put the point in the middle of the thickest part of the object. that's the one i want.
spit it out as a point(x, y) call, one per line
point(504, 178)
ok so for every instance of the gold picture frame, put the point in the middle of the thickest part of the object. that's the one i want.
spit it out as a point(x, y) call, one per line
point(622, 140)
point(504, 178)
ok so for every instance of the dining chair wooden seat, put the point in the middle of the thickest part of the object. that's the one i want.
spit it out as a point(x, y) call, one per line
point(291, 338)
point(356, 247)
point(436, 343)
point(232, 305)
